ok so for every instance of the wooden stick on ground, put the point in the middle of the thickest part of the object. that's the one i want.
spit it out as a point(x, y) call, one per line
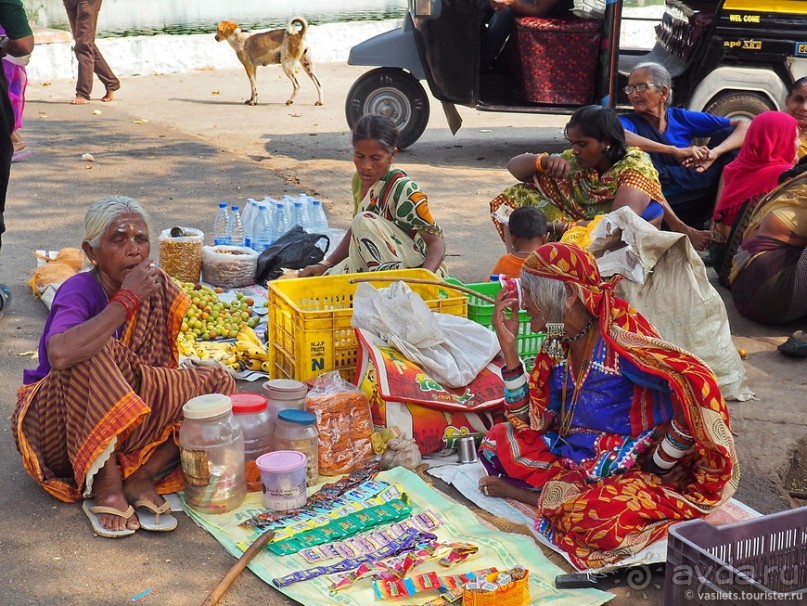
point(464, 289)
point(238, 567)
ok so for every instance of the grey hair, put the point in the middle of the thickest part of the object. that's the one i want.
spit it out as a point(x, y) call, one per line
point(659, 77)
point(547, 294)
point(100, 214)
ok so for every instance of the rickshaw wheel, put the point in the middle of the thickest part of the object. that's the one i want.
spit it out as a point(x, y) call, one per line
point(743, 105)
point(393, 93)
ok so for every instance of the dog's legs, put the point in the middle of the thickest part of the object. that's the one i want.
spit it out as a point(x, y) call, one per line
point(251, 73)
point(308, 66)
point(289, 71)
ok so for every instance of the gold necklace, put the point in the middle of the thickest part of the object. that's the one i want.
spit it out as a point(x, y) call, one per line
point(566, 415)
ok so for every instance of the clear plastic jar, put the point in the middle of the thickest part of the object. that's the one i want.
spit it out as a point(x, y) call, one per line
point(284, 393)
point(253, 416)
point(212, 453)
point(297, 430)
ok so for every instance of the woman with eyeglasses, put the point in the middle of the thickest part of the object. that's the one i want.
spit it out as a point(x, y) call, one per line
point(689, 174)
point(598, 174)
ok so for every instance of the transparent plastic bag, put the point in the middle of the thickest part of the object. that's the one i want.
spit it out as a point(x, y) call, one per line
point(344, 422)
point(229, 266)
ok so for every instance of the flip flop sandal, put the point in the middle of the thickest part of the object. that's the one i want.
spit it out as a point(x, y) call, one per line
point(155, 518)
point(793, 348)
point(92, 510)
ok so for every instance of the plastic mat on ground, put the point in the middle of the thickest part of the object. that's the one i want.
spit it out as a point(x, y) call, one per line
point(496, 548)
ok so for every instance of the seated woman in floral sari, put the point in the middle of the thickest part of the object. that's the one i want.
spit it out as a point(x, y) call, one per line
point(597, 175)
point(97, 420)
point(392, 225)
point(616, 434)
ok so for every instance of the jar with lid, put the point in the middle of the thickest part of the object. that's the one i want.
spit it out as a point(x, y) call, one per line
point(211, 447)
point(253, 416)
point(297, 430)
point(284, 393)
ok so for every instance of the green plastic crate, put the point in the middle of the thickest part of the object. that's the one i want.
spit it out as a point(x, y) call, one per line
point(528, 343)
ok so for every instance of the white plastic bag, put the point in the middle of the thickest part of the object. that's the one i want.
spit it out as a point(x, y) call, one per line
point(451, 349)
point(229, 266)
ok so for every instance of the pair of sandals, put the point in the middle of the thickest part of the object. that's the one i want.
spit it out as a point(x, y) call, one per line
point(155, 518)
point(795, 346)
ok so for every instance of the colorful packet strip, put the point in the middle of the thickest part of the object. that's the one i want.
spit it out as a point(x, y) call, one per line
point(319, 502)
point(406, 543)
point(450, 596)
point(459, 580)
point(343, 527)
point(369, 542)
point(398, 588)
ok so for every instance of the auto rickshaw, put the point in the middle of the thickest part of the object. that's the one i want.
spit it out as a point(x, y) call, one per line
point(733, 58)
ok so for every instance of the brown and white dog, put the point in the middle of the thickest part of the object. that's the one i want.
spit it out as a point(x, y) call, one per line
point(285, 46)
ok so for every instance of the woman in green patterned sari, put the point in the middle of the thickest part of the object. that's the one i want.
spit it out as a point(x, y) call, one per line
point(392, 226)
point(597, 175)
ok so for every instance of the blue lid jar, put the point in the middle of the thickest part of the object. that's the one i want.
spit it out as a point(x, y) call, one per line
point(299, 417)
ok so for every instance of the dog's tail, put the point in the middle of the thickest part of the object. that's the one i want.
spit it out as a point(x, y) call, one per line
point(295, 23)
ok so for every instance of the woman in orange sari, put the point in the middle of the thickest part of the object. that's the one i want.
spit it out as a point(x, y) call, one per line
point(616, 434)
point(97, 419)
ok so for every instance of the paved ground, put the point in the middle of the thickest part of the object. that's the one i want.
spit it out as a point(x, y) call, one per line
point(180, 144)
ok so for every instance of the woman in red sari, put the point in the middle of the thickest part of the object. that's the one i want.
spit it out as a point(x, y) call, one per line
point(616, 434)
point(97, 420)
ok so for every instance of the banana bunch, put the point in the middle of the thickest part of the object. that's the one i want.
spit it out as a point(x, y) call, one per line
point(250, 352)
point(222, 352)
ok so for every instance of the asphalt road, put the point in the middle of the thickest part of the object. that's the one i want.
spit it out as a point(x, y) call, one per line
point(180, 144)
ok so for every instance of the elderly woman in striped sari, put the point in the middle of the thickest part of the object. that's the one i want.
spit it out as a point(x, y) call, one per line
point(97, 419)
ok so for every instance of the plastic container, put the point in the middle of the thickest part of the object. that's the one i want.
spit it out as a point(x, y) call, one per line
point(282, 394)
point(297, 430)
point(221, 225)
point(528, 343)
point(758, 561)
point(310, 320)
point(252, 414)
point(283, 479)
point(212, 454)
point(181, 255)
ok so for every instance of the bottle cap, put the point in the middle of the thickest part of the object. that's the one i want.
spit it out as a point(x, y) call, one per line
point(222, 205)
point(248, 403)
point(207, 406)
point(235, 207)
point(285, 389)
point(298, 417)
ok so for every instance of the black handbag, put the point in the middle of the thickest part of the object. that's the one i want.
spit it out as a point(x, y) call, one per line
point(295, 249)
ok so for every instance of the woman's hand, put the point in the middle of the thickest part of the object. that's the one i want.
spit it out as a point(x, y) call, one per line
point(144, 280)
point(507, 327)
point(700, 239)
point(309, 271)
point(555, 166)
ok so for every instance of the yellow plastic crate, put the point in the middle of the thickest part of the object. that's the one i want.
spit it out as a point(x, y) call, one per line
point(309, 321)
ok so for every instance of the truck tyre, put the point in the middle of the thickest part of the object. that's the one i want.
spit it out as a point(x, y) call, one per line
point(393, 93)
point(739, 105)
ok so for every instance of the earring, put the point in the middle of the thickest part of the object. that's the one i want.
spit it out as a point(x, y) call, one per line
point(553, 333)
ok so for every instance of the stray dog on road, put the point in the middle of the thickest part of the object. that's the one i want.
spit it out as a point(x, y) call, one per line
point(285, 46)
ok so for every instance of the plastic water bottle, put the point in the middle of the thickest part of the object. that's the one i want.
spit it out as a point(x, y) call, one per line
point(280, 224)
point(221, 225)
point(300, 216)
point(262, 229)
point(317, 221)
point(248, 218)
point(236, 227)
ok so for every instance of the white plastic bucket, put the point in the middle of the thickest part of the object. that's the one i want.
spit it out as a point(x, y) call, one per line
point(283, 479)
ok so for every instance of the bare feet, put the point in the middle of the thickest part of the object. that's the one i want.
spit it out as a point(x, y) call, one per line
point(108, 490)
point(110, 94)
point(79, 100)
point(494, 486)
point(140, 485)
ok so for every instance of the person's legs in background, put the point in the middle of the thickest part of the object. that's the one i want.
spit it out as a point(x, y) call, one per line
point(6, 151)
point(83, 17)
point(493, 37)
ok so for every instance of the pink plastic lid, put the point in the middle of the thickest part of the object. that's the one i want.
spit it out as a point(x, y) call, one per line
point(248, 403)
point(281, 460)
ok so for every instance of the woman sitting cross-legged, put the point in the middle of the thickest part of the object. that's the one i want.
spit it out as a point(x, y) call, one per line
point(392, 225)
point(616, 434)
point(97, 420)
point(597, 175)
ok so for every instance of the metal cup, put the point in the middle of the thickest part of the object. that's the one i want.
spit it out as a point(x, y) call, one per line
point(466, 450)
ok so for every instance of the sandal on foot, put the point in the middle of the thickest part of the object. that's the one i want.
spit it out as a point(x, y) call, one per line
point(795, 346)
point(92, 510)
point(155, 518)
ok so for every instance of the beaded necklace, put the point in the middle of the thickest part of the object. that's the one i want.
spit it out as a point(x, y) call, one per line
point(567, 413)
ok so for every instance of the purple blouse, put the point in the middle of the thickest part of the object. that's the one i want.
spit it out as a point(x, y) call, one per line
point(78, 299)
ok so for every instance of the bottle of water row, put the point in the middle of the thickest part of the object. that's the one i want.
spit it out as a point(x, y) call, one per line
point(248, 219)
point(317, 221)
point(236, 227)
point(261, 237)
point(280, 220)
point(221, 225)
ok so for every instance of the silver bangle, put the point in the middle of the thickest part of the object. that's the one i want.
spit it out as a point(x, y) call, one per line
point(326, 263)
